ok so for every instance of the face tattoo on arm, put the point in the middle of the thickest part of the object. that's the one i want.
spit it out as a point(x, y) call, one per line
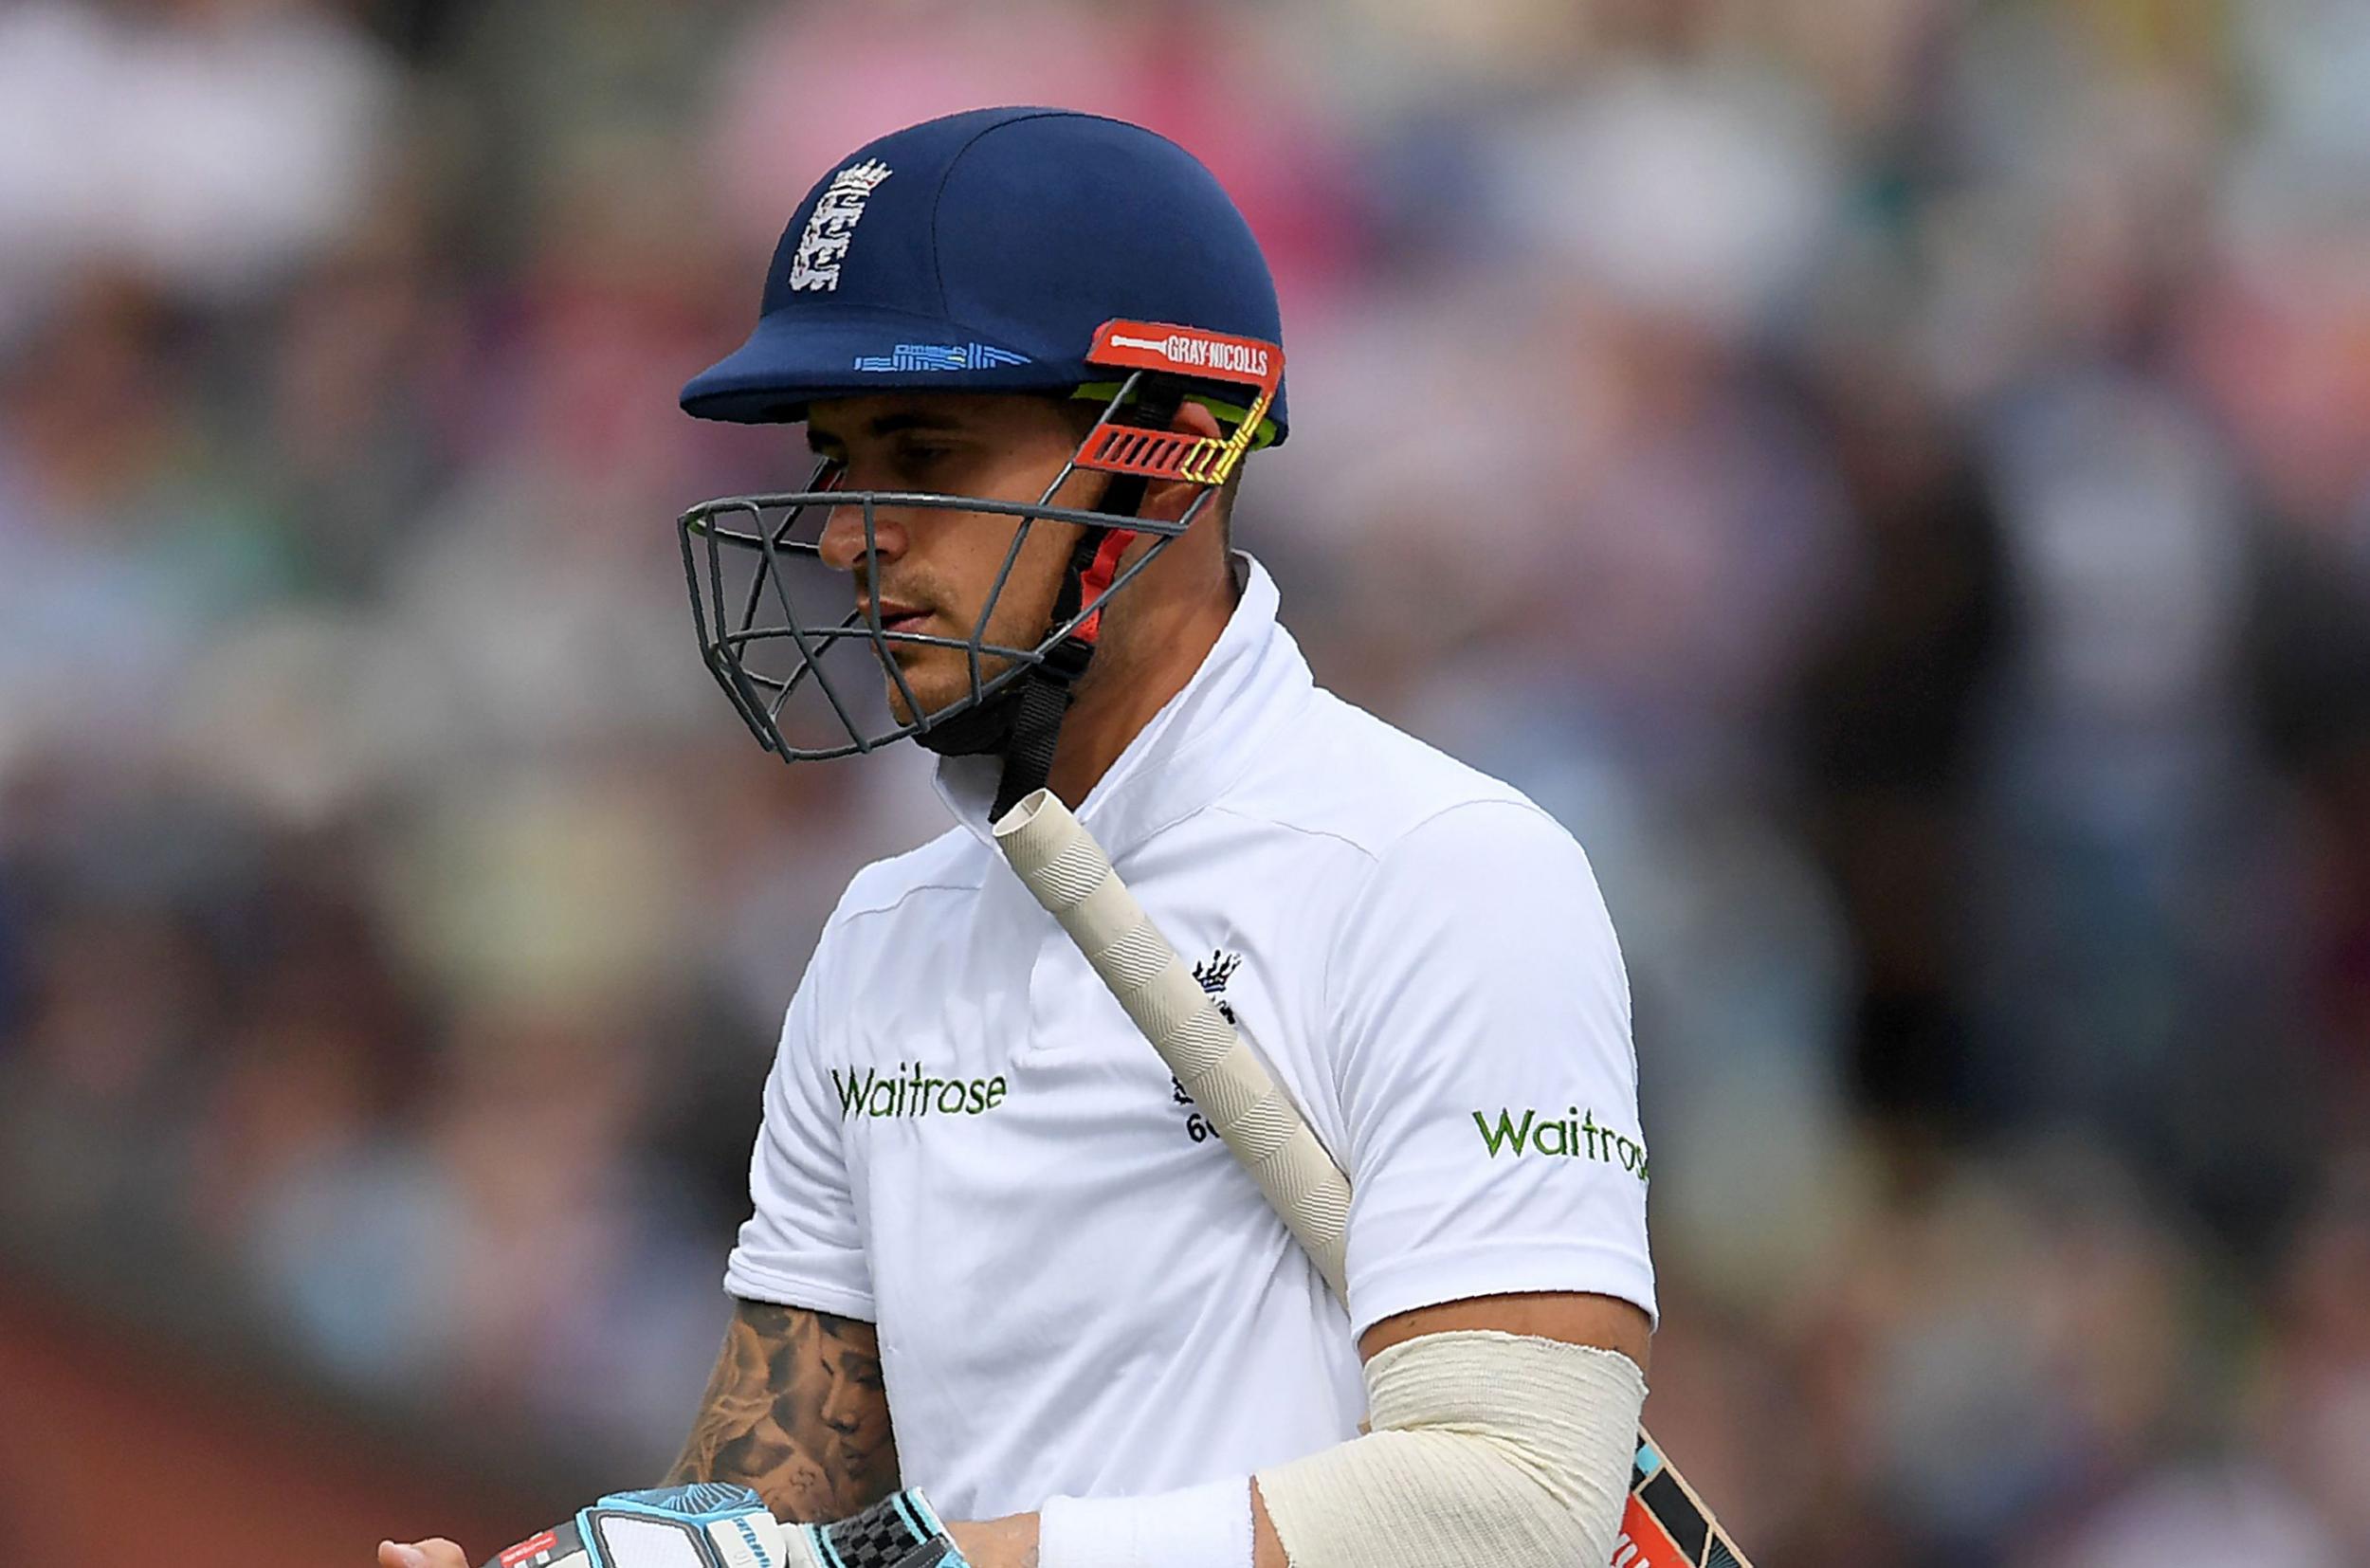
point(795, 1410)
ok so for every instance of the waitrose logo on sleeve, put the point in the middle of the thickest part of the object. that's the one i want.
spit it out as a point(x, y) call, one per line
point(1574, 1135)
point(914, 1090)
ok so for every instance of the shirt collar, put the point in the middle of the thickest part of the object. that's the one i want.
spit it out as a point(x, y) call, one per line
point(1197, 744)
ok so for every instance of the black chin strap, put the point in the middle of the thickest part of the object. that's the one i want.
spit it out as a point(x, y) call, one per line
point(1037, 710)
point(1043, 694)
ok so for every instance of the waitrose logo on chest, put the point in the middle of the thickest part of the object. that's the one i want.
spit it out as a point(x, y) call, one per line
point(913, 1090)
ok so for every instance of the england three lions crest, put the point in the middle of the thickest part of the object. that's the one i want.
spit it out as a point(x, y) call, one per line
point(832, 224)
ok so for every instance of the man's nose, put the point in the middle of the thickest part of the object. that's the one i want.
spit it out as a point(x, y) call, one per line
point(842, 545)
point(841, 1412)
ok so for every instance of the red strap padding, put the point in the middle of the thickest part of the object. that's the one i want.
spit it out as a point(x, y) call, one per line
point(1097, 579)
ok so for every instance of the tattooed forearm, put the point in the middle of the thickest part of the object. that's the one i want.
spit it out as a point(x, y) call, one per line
point(795, 1409)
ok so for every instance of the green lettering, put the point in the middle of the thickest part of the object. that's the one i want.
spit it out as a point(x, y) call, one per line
point(1508, 1132)
point(913, 1092)
point(1540, 1143)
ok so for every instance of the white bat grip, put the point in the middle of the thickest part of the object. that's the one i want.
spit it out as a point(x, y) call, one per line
point(1067, 870)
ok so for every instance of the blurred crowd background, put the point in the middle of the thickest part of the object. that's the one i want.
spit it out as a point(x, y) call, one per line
point(1893, 476)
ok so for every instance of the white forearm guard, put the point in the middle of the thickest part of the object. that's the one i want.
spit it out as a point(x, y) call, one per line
point(1486, 1450)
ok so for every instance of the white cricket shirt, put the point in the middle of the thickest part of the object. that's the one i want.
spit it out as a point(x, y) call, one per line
point(1078, 1291)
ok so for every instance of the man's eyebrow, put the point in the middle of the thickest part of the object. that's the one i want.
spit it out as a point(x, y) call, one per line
point(894, 424)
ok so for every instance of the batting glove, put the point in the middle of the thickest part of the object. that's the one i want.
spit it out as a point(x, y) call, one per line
point(709, 1524)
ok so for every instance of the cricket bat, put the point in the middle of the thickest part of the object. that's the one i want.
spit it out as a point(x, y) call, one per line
point(1665, 1524)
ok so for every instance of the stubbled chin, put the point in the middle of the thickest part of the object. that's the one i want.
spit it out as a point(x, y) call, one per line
point(939, 678)
point(933, 695)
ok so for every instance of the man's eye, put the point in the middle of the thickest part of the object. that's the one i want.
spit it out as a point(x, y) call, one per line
point(924, 455)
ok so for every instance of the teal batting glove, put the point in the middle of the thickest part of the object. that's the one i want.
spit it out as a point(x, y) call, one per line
point(706, 1525)
point(709, 1524)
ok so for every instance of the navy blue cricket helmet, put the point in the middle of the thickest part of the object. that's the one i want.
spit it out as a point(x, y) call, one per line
point(980, 252)
point(999, 250)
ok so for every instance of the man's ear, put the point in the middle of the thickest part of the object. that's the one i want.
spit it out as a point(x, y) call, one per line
point(1168, 501)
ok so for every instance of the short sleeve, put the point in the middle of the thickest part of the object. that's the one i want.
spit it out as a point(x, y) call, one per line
point(1478, 1004)
point(801, 1244)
